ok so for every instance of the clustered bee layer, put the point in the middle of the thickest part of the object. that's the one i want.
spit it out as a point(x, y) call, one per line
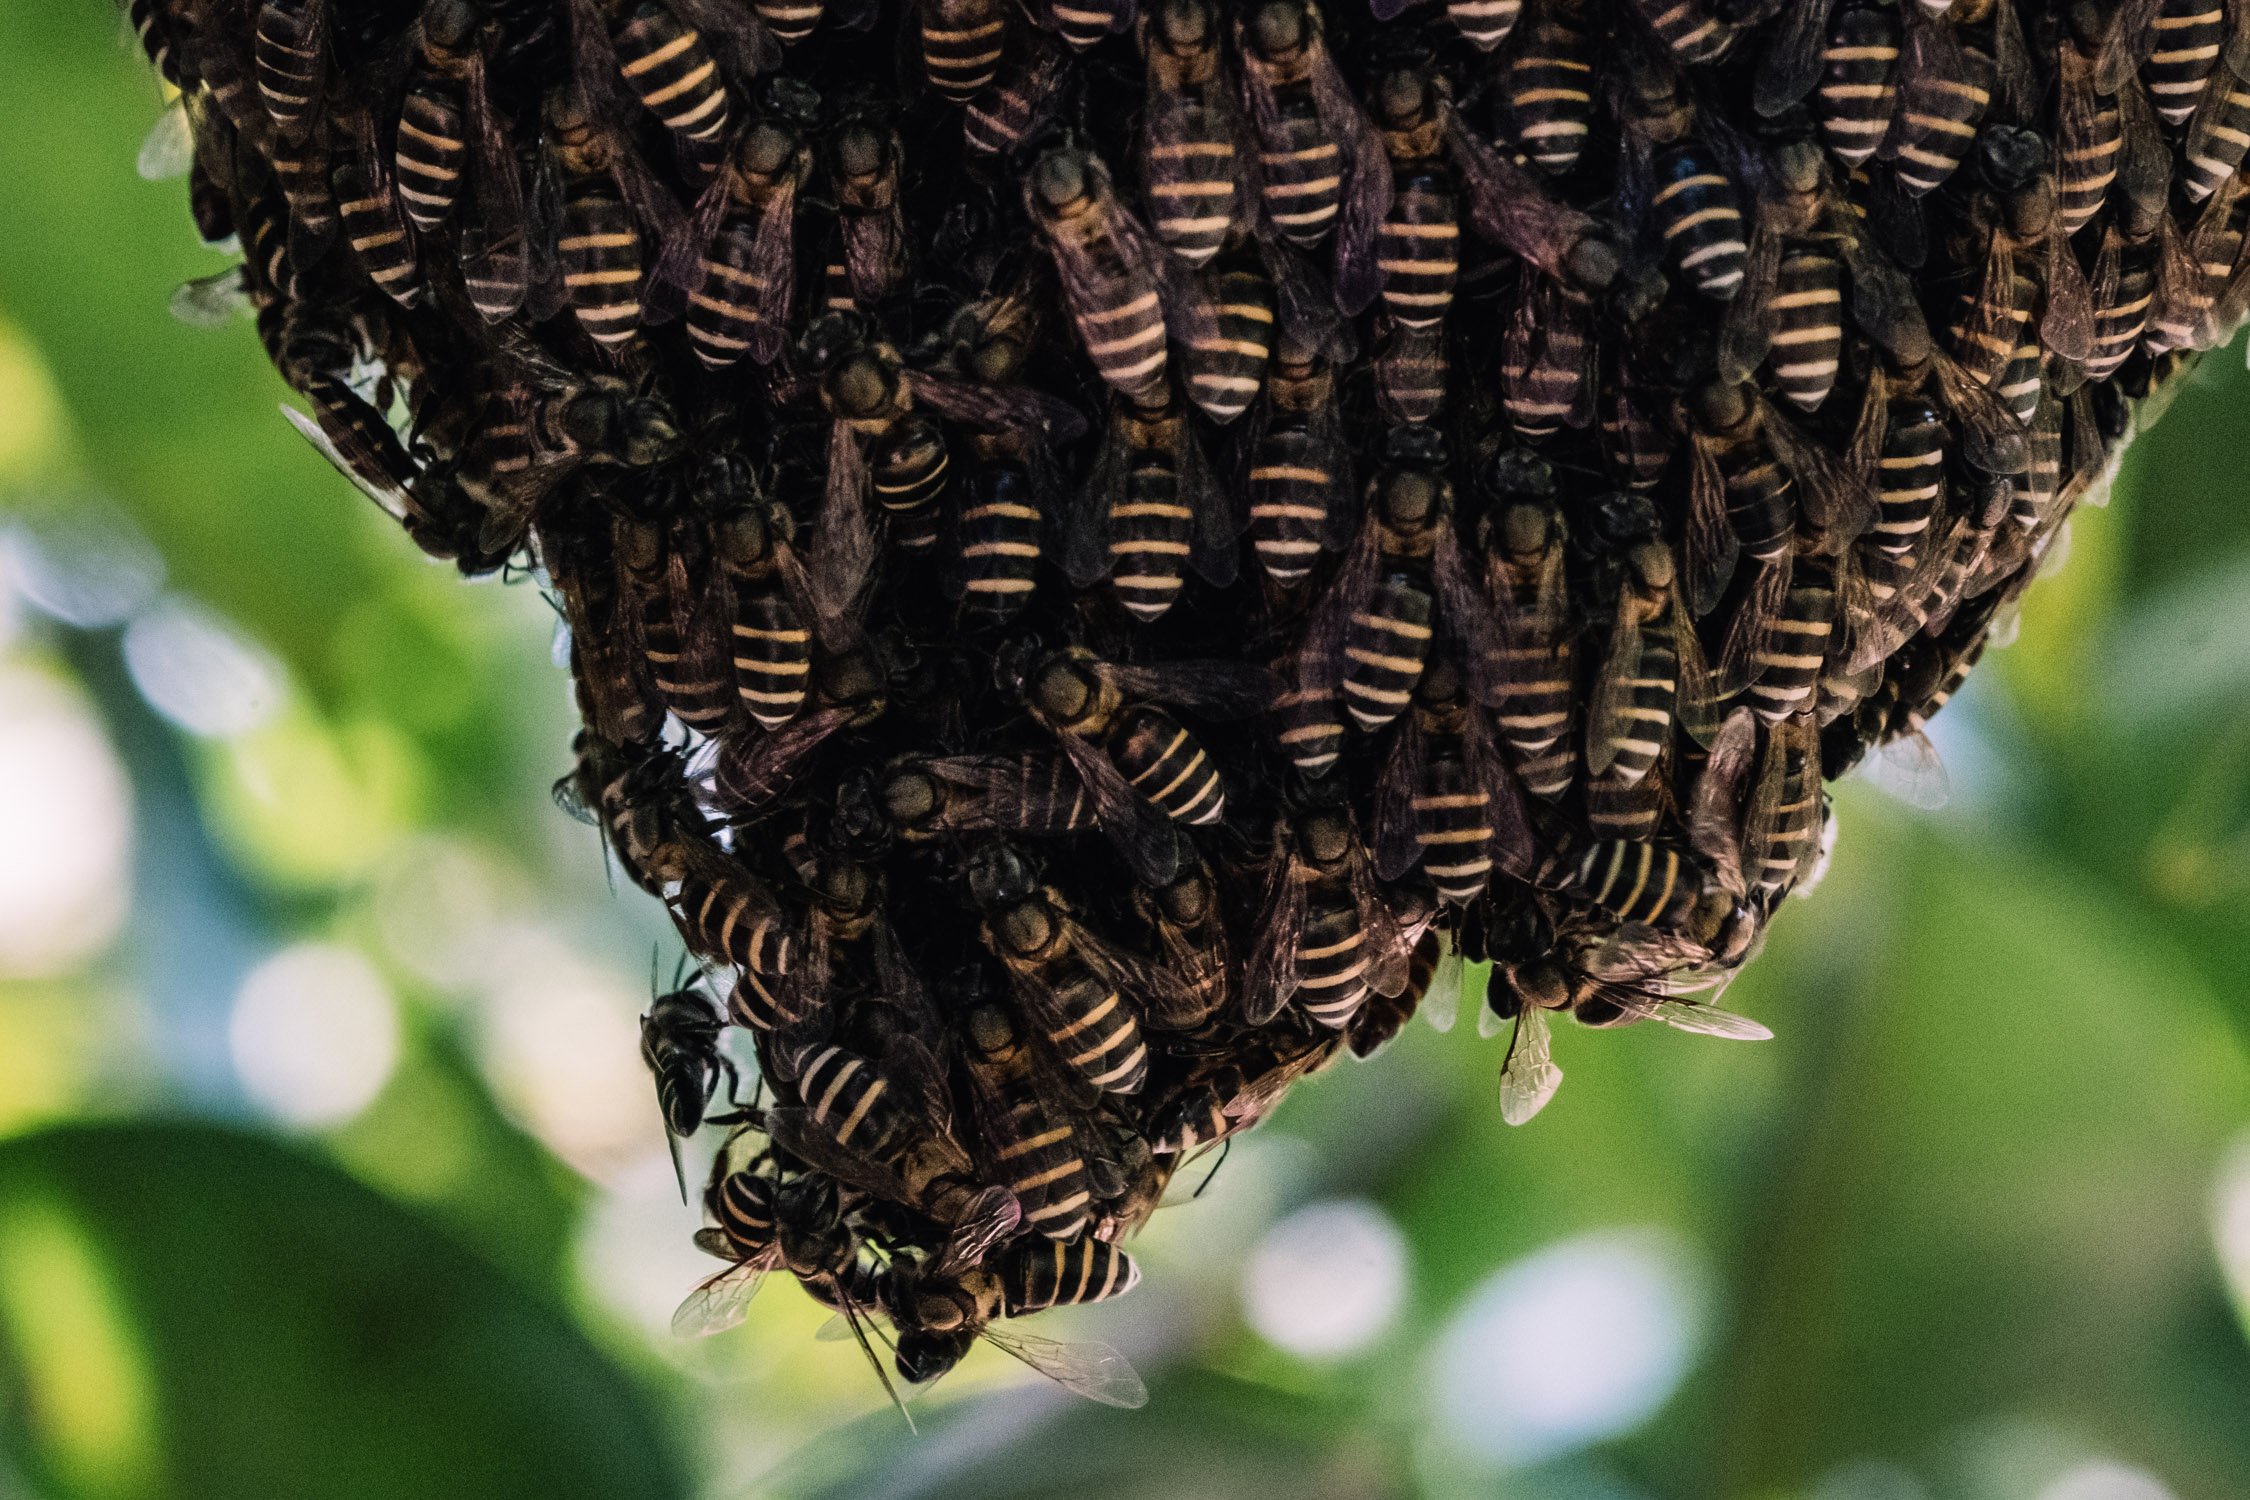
point(1102, 543)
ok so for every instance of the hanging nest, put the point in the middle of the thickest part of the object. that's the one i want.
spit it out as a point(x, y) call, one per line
point(1106, 550)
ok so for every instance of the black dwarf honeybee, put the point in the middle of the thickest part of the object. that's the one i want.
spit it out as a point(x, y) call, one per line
point(1192, 161)
point(1152, 511)
point(1652, 674)
point(607, 198)
point(735, 257)
point(1446, 800)
point(1141, 766)
point(1028, 1130)
point(680, 1046)
point(1327, 939)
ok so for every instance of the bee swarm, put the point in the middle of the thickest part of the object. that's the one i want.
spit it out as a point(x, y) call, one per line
point(1104, 544)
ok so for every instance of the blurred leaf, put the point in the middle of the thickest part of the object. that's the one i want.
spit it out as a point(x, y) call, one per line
point(300, 1336)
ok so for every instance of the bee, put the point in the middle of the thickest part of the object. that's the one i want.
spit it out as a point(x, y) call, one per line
point(375, 226)
point(1029, 1134)
point(606, 195)
point(1858, 81)
point(289, 53)
point(1511, 208)
point(680, 1047)
point(1548, 88)
point(850, 690)
point(625, 792)
point(1417, 247)
point(2123, 294)
point(931, 797)
point(772, 615)
point(2218, 135)
point(735, 256)
point(668, 65)
point(1698, 213)
point(1152, 509)
point(1535, 674)
point(1781, 827)
point(1005, 110)
point(847, 936)
point(1445, 801)
point(1083, 993)
point(1546, 361)
point(864, 164)
point(2175, 45)
point(1945, 87)
point(2090, 140)
point(1321, 165)
point(1236, 1090)
point(1297, 475)
point(1652, 674)
point(941, 1305)
point(1402, 588)
point(1084, 23)
point(1226, 368)
point(1484, 24)
point(432, 155)
point(962, 43)
point(885, 444)
point(1191, 159)
point(667, 587)
point(723, 912)
point(1690, 29)
point(1191, 931)
point(1326, 937)
point(1309, 726)
point(1113, 275)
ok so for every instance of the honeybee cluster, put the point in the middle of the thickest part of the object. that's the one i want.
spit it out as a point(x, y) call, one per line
point(1104, 542)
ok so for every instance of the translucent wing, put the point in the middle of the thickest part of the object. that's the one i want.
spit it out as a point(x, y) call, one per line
point(1441, 1002)
point(720, 1303)
point(1529, 1077)
point(169, 148)
point(1792, 60)
point(1139, 829)
point(212, 301)
point(991, 1217)
point(1397, 850)
point(392, 498)
point(1613, 691)
point(1214, 689)
point(1095, 1371)
point(1909, 769)
point(1272, 976)
point(1688, 1015)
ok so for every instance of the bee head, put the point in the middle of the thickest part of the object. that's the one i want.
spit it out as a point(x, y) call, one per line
point(1183, 25)
point(923, 1356)
point(830, 337)
point(990, 1032)
point(1277, 29)
point(1061, 178)
point(448, 25)
point(767, 149)
point(1001, 875)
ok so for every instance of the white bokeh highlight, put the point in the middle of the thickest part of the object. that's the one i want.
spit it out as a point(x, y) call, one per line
point(66, 829)
point(1327, 1280)
point(2105, 1479)
point(199, 671)
point(1578, 1342)
point(314, 1035)
point(2230, 1221)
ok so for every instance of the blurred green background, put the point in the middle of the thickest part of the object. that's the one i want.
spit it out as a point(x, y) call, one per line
point(327, 1166)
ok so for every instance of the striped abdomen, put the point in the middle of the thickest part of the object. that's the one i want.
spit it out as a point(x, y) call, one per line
point(1637, 454)
point(1535, 692)
point(432, 151)
point(998, 533)
point(1190, 181)
point(1386, 646)
point(1101, 1040)
point(1083, 23)
point(1410, 385)
point(2019, 384)
point(743, 1205)
point(961, 45)
point(1226, 368)
point(692, 678)
point(1484, 24)
point(772, 654)
point(1292, 474)
point(1937, 121)
point(853, 1103)
point(1302, 173)
point(1761, 506)
point(1795, 825)
point(1310, 729)
point(2220, 135)
point(791, 20)
point(1859, 84)
point(1808, 327)
point(2124, 292)
point(666, 65)
point(1418, 250)
point(1196, 1116)
point(727, 314)
point(1699, 213)
point(1163, 762)
point(908, 466)
point(1035, 1277)
point(1624, 810)
point(1453, 828)
point(1546, 364)
point(1911, 475)
point(1636, 881)
point(1652, 695)
point(1331, 956)
point(1034, 1153)
point(301, 168)
point(1151, 532)
point(1549, 89)
point(1688, 28)
point(729, 918)
point(285, 56)
point(2188, 35)
point(377, 232)
point(601, 263)
point(2089, 140)
point(1125, 338)
point(1788, 663)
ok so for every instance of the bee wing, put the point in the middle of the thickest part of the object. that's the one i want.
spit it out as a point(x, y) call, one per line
point(1086, 558)
point(493, 230)
point(2016, 82)
point(1613, 691)
point(1219, 514)
point(1991, 437)
point(991, 1217)
point(1204, 965)
point(998, 408)
point(1792, 61)
point(679, 263)
point(1511, 208)
point(1367, 188)
point(1397, 850)
point(593, 63)
point(1751, 630)
point(1271, 978)
point(1933, 65)
point(722, 1300)
point(1528, 1075)
point(1137, 827)
point(360, 467)
point(798, 1133)
point(1095, 1371)
point(1319, 664)
point(745, 45)
point(842, 559)
point(1839, 502)
point(1908, 768)
point(1151, 984)
point(1714, 824)
point(1511, 843)
point(1688, 1015)
point(1468, 616)
point(2132, 36)
point(1698, 704)
point(2067, 326)
point(1390, 951)
point(1746, 332)
point(1305, 310)
point(752, 773)
point(169, 148)
point(1711, 546)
